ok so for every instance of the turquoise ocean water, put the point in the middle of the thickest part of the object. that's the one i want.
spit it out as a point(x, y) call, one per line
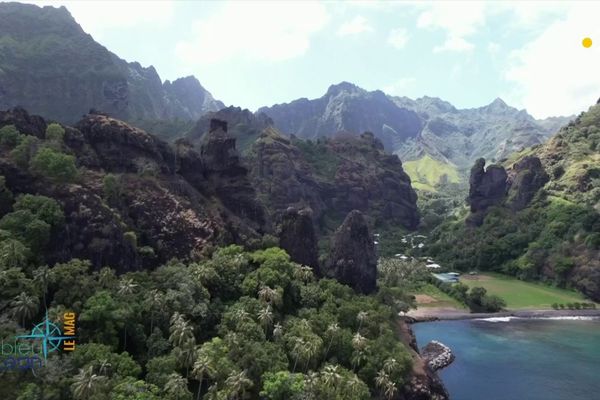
point(519, 359)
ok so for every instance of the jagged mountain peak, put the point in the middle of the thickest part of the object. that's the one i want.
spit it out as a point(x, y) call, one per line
point(343, 86)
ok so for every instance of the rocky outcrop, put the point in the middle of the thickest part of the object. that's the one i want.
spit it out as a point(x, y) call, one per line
point(283, 177)
point(423, 382)
point(437, 355)
point(487, 188)
point(526, 177)
point(225, 173)
point(123, 148)
point(297, 236)
point(352, 259)
point(369, 180)
point(242, 124)
point(165, 203)
point(333, 177)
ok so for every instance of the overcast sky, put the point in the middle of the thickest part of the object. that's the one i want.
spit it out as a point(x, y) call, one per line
point(253, 54)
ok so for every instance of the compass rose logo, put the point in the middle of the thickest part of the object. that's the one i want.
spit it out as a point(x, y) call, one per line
point(50, 335)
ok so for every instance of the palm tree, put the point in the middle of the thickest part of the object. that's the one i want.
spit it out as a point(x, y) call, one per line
point(331, 331)
point(104, 367)
point(202, 367)
point(265, 316)
point(331, 376)
point(40, 277)
point(357, 358)
point(126, 287)
point(361, 317)
point(353, 384)
point(155, 299)
point(176, 386)
point(237, 384)
point(186, 354)
point(385, 385)
point(24, 307)
point(310, 350)
point(106, 276)
point(304, 273)
point(297, 350)
point(181, 331)
point(269, 295)
point(359, 341)
point(13, 254)
point(277, 331)
point(86, 383)
point(390, 365)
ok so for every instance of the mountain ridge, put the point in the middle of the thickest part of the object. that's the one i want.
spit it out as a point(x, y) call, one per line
point(55, 69)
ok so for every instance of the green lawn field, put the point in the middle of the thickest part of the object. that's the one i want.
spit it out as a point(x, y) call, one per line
point(519, 294)
point(430, 296)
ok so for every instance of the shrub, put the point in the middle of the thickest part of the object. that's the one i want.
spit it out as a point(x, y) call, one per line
point(555, 306)
point(44, 208)
point(23, 152)
point(493, 303)
point(55, 132)
point(130, 237)
point(54, 165)
point(112, 189)
point(10, 136)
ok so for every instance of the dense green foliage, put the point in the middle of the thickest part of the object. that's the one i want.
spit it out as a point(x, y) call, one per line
point(232, 326)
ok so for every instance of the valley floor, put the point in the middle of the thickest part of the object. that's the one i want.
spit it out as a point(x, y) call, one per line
point(523, 299)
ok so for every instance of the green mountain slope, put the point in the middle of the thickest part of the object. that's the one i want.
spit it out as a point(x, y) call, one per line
point(538, 218)
point(426, 172)
point(51, 67)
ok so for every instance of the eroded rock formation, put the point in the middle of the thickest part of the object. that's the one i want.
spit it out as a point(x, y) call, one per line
point(487, 188)
point(352, 259)
point(526, 177)
point(297, 236)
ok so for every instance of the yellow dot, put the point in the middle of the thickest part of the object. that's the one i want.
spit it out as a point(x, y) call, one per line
point(586, 42)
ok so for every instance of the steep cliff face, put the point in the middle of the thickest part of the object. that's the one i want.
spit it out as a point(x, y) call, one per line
point(51, 67)
point(297, 236)
point(229, 178)
point(282, 176)
point(174, 203)
point(346, 107)
point(527, 176)
point(334, 177)
point(352, 259)
point(487, 188)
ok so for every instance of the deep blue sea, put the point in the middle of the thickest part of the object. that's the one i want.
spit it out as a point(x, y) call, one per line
point(519, 359)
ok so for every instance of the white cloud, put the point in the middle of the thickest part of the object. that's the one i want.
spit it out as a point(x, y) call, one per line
point(398, 38)
point(358, 24)
point(554, 74)
point(454, 43)
point(97, 17)
point(258, 31)
point(459, 20)
point(399, 87)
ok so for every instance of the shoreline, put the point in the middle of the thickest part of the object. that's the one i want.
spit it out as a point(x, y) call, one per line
point(455, 314)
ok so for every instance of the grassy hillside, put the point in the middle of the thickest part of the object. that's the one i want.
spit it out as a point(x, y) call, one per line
point(556, 237)
point(427, 172)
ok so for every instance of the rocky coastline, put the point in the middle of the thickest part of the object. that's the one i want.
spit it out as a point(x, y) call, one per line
point(437, 355)
point(424, 383)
